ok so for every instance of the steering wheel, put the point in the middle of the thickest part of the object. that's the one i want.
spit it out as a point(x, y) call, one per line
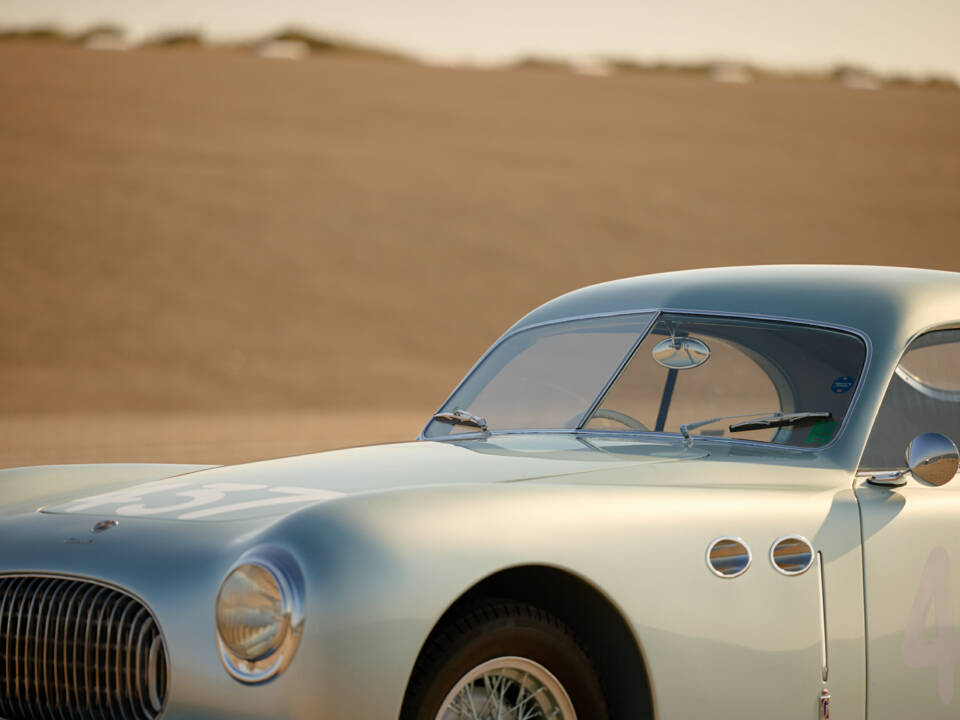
point(622, 418)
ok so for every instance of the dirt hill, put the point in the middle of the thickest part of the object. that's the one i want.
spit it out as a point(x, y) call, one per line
point(312, 253)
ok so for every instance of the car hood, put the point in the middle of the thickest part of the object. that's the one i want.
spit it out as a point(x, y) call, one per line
point(274, 487)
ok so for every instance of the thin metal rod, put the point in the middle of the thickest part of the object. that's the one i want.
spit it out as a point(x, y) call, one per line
point(824, 667)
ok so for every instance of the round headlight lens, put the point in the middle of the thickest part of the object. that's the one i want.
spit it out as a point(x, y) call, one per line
point(251, 617)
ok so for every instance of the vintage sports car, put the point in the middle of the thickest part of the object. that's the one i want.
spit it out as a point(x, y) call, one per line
point(708, 494)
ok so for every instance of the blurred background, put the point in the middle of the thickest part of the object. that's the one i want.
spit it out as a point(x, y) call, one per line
point(234, 230)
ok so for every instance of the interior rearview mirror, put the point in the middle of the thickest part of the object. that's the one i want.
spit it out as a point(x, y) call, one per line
point(681, 353)
point(933, 458)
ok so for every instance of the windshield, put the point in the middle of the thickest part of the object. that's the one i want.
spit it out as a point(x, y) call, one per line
point(696, 376)
point(546, 377)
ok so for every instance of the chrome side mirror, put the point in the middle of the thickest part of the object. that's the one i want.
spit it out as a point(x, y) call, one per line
point(933, 458)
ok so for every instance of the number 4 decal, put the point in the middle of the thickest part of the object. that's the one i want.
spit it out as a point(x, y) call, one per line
point(941, 650)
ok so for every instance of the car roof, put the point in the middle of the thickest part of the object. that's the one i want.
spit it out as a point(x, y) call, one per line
point(888, 304)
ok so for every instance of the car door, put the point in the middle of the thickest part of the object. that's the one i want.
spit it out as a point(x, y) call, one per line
point(911, 542)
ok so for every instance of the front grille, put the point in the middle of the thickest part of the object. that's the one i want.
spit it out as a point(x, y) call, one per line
point(71, 649)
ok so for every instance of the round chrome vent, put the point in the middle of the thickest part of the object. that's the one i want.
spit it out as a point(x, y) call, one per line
point(728, 557)
point(791, 555)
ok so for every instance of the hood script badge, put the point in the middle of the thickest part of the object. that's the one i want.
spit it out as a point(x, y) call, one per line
point(100, 527)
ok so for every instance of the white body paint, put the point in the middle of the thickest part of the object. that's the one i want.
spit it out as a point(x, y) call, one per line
point(913, 640)
point(941, 650)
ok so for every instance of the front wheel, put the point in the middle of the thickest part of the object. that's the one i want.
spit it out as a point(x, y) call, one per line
point(504, 660)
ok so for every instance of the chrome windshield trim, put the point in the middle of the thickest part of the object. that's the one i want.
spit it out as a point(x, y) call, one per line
point(653, 438)
point(867, 362)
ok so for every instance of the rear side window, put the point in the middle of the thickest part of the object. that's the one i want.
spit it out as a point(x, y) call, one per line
point(923, 396)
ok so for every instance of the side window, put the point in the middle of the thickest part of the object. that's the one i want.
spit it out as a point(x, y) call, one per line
point(729, 384)
point(732, 371)
point(923, 396)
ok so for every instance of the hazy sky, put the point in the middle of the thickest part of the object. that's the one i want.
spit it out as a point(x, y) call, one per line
point(915, 36)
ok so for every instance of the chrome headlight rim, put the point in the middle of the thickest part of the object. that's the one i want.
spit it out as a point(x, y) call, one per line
point(286, 573)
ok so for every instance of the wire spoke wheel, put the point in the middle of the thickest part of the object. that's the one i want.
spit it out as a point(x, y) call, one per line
point(507, 688)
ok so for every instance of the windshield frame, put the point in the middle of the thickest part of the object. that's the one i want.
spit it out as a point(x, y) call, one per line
point(656, 313)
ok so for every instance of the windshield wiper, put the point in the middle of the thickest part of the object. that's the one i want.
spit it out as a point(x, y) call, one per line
point(462, 417)
point(768, 420)
point(780, 420)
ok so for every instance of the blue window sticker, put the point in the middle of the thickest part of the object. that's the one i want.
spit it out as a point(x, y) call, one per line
point(842, 384)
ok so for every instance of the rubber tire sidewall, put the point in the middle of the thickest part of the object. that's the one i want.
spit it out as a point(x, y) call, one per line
point(525, 632)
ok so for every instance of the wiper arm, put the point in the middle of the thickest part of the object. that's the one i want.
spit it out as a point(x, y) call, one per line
point(780, 420)
point(462, 417)
point(687, 427)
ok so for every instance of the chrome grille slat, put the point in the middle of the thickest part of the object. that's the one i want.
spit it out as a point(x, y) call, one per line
point(25, 594)
point(41, 676)
point(106, 654)
point(71, 695)
point(157, 669)
point(59, 671)
point(131, 649)
point(140, 658)
point(72, 649)
point(118, 665)
point(4, 623)
point(77, 687)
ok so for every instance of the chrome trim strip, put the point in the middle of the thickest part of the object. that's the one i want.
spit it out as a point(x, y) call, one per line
point(867, 363)
point(790, 573)
point(735, 539)
point(824, 666)
point(661, 438)
point(941, 394)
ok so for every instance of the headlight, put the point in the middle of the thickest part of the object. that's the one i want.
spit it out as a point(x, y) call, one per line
point(250, 617)
point(259, 614)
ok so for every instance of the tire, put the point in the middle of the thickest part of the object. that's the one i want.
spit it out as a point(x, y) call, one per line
point(514, 650)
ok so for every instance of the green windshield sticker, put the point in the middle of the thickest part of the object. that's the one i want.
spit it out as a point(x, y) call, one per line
point(821, 432)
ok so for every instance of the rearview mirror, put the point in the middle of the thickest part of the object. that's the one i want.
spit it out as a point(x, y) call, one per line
point(681, 353)
point(933, 458)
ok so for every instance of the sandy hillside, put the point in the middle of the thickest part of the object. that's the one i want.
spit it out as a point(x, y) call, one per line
point(211, 256)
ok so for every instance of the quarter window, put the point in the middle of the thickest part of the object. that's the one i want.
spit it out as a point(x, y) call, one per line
point(923, 396)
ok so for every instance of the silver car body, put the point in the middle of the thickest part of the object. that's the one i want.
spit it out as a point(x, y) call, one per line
point(389, 537)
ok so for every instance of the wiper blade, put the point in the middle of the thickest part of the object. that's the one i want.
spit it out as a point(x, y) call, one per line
point(462, 417)
point(780, 420)
point(687, 427)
